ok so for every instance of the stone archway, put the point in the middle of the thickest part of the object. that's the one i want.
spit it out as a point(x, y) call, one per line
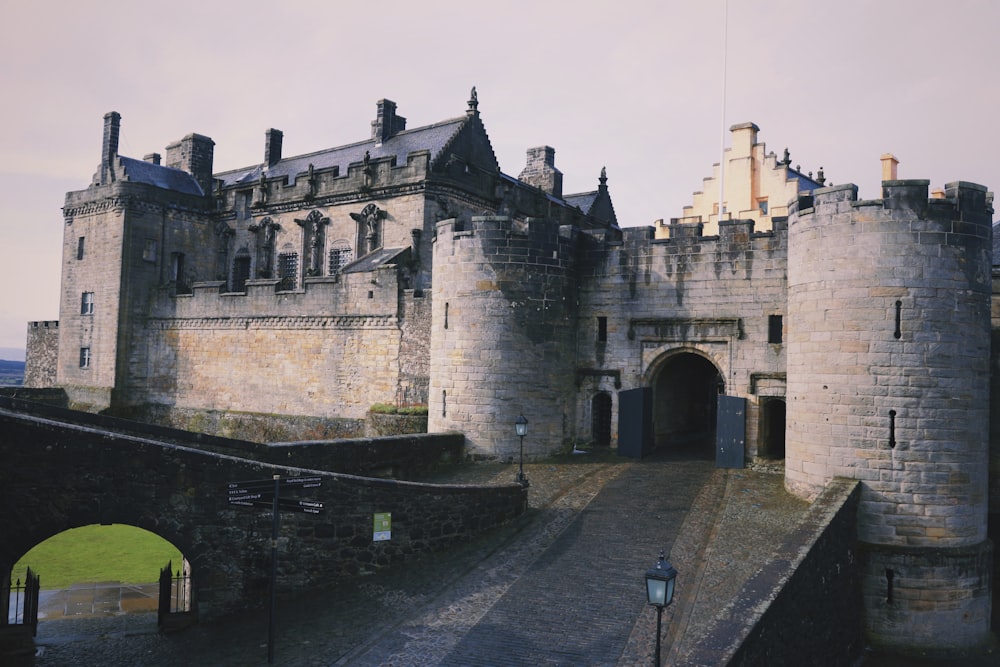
point(685, 391)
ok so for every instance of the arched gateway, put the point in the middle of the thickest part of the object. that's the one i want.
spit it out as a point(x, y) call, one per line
point(685, 387)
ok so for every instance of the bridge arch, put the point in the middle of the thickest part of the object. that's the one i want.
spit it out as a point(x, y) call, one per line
point(685, 383)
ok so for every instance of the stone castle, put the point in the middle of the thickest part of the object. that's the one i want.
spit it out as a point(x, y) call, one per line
point(851, 338)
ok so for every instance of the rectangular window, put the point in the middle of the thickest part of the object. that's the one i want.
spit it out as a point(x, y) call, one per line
point(177, 273)
point(288, 270)
point(762, 205)
point(774, 325)
point(79, 248)
point(84, 357)
point(241, 273)
point(602, 330)
point(87, 303)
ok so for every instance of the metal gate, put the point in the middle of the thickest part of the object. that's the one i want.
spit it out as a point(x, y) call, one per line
point(20, 602)
point(730, 431)
point(175, 609)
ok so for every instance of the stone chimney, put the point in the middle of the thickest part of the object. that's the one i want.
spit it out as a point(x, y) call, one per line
point(154, 158)
point(889, 165)
point(272, 146)
point(193, 154)
point(112, 128)
point(386, 123)
point(541, 171)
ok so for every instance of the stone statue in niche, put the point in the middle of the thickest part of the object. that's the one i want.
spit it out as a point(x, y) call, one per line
point(311, 182)
point(312, 229)
point(225, 234)
point(266, 232)
point(367, 170)
point(370, 217)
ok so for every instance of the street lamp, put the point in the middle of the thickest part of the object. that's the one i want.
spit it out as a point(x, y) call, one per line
point(660, 593)
point(521, 428)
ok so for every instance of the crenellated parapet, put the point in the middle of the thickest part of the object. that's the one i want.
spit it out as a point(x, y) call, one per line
point(363, 295)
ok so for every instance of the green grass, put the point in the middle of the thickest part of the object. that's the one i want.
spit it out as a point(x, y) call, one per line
point(98, 553)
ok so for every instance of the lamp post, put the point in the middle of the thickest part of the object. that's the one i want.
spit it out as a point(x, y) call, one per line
point(660, 593)
point(521, 428)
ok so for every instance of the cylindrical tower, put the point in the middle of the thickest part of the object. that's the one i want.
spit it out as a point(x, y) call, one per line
point(888, 383)
point(503, 334)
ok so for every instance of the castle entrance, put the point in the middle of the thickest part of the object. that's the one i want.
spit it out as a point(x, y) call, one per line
point(685, 398)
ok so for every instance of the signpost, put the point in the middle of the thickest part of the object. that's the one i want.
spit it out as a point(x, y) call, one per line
point(266, 493)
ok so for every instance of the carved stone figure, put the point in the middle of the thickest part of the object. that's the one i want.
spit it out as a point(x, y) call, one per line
point(312, 228)
point(370, 217)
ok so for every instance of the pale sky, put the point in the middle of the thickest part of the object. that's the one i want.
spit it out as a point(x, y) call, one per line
point(636, 86)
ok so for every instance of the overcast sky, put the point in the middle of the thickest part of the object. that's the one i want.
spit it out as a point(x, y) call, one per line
point(636, 86)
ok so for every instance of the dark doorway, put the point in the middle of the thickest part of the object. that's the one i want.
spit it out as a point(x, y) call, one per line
point(600, 419)
point(241, 272)
point(772, 428)
point(685, 402)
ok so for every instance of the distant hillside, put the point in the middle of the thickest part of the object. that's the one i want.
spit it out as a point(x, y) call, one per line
point(12, 353)
point(11, 373)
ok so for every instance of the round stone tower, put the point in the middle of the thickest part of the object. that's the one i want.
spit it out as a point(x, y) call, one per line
point(888, 383)
point(503, 334)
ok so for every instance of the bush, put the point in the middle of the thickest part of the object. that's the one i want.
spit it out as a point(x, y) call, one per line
point(409, 410)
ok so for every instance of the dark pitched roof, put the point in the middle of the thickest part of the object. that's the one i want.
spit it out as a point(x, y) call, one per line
point(433, 138)
point(374, 260)
point(584, 200)
point(168, 178)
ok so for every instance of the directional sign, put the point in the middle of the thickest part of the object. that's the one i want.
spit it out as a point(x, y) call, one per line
point(246, 495)
point(295, 483)
point(303, 482)
point(284, 504)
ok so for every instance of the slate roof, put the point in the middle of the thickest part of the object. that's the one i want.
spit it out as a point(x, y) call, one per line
point(434, 138)
point(168, 178)
point(374, 260)
point(585, 200)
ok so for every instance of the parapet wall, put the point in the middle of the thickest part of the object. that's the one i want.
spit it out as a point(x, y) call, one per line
point(331, 349)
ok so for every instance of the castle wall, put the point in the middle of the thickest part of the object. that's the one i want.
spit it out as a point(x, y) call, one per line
point(330, 349)
point(706, 296)
point(41, 354)
point(503, 335)
point(888, 383)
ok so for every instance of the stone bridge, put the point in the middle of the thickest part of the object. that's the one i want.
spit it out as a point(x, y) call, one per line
point(60, 469)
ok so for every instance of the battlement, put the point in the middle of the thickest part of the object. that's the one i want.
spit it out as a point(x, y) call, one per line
point(505, 240)
point(960, 201)
point(353, 295)
point(298, 179)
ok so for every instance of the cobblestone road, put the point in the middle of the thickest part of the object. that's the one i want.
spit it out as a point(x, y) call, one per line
point(562, 586)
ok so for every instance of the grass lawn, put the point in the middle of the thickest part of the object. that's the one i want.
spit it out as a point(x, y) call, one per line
point(94, 553)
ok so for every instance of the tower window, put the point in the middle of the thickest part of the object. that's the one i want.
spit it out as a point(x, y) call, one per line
point(602, 329)
point(774, 325)
point(84, 357)
point(79, 248)
point(87, 303)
